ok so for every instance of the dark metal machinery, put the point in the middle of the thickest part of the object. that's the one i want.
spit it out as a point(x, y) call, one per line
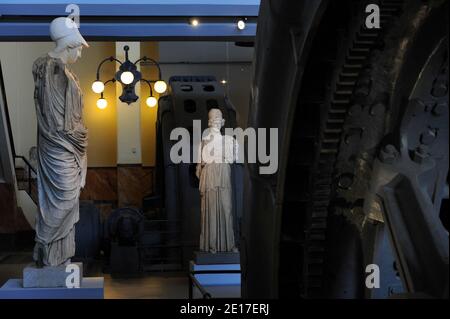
point(125, 227)
point(363, 151)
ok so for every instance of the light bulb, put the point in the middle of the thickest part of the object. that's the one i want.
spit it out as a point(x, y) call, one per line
point(98, 87)
point(194, 22)
point(101, 103)
point(160, 86)
point(126, 77)
point(151, 101)
point(241, 25)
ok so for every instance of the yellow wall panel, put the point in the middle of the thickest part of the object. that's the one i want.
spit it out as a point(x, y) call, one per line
point(102, 124)
point(148, 115)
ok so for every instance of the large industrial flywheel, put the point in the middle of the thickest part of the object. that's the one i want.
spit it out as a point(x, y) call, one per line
point(359, 208)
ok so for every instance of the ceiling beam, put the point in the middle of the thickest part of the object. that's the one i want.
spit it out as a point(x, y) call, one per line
point(133, 21)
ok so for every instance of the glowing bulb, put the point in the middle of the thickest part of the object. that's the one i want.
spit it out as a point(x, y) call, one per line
point(126, 77)
point(98, 87)
point(223, 81)
point(151, 101)
point(241, 25)
point(194, 22)
point(160, 86)
point(101, 103)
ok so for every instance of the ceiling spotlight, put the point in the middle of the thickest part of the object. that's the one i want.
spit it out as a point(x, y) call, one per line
point(194, 22)
point(241, 24)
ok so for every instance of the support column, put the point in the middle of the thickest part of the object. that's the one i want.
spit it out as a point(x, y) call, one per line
point(132, 179)
point(128, 116)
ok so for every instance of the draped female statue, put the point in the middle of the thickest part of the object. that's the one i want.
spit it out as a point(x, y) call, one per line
point(217, 152)
point(61, 145)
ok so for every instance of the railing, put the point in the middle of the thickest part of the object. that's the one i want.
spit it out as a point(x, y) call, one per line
point(30, 169)
point(194, 281)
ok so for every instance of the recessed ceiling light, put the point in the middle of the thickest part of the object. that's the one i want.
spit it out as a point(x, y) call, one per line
point(194, 22)
point(241, 24)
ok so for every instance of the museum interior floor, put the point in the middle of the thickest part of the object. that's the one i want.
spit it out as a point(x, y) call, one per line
point(150, 286)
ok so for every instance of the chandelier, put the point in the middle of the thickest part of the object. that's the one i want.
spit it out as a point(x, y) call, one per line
point(128, 75)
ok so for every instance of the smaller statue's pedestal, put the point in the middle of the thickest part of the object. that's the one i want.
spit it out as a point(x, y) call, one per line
point(50, 283)
point(205, 258)
point(218, 284)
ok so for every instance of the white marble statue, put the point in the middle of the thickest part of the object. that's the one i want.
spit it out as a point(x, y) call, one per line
point(61, 145)
point(217, 152)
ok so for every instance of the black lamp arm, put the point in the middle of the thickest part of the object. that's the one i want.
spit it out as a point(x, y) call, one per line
point(144, 58)
point(110, 59)
point(110, 80)
point(149, 85)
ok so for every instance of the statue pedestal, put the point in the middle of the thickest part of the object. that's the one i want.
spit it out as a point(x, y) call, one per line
point(90, 288)
point(48, 276)
point(206, 258)
point(212, 271)
point(50, 283)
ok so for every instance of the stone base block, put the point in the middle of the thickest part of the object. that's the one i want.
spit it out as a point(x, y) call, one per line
point(206, 258)
point(90, 288)
point(48, 276)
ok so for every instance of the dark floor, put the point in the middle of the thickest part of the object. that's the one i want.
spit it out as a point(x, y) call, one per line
point(150, 286)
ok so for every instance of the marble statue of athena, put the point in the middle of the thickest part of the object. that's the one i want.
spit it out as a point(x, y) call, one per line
point(217, 152)
point(61, 145)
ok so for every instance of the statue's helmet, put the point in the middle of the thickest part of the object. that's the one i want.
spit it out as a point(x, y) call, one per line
point(215, 112)
point(215, 117)
point(64, 31)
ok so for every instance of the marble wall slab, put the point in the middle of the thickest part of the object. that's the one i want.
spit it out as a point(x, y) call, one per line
point(101, 184)
point(134, 183)
point(113, 187)
point(108, 187)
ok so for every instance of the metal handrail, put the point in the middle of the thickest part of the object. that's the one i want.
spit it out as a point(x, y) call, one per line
point(30, 168)
point(194, 281)
point(23, 158)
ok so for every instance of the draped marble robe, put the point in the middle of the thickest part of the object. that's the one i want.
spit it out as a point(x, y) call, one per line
point(217, 153)
point(62, 159)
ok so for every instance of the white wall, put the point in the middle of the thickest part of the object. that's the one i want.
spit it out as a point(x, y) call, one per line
point(128, 115)
point(17, 60)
